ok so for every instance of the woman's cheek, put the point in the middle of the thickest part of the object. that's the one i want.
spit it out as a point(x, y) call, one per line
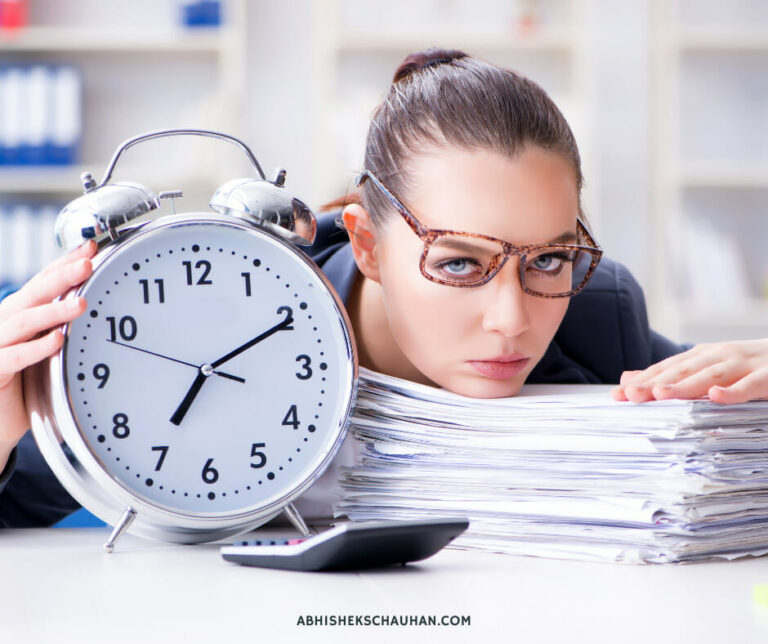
point(423, 321)
point(548, 314)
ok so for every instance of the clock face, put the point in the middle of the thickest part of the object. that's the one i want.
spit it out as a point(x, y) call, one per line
point(211, 372)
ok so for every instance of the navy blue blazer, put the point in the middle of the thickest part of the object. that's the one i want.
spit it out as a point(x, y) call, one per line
point(605, 331)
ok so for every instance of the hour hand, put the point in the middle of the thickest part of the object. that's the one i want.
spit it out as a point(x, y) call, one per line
point(207, 369)
point(182, 409)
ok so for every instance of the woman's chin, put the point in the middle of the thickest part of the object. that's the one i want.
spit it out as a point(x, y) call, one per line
point(477, 386)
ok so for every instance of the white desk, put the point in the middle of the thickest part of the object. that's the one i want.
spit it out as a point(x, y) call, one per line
point(59, 586)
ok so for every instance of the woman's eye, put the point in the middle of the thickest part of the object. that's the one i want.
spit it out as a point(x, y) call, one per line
point(456, 266)
point(459, 267)
point(548, 263)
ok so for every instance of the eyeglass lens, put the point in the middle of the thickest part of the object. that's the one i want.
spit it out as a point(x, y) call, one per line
point(459, 261)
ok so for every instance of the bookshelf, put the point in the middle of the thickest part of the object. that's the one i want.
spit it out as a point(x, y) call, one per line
point(54, 39)
point(137, 74)
point(357, 47)
point(710, 169)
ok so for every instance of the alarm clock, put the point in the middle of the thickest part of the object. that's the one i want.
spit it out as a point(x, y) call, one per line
point(211, 379)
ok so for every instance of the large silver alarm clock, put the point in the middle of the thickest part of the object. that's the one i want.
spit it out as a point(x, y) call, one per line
point(211, 379)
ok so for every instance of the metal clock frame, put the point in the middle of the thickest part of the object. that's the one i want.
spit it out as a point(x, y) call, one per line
point(90, 482)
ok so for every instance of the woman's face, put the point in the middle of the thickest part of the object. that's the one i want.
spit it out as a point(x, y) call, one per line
point(469, 340)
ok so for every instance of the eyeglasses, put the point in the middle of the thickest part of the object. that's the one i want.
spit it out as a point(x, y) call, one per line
point(468, 260)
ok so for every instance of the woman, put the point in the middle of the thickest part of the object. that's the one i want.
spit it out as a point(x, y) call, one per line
point(463, 256)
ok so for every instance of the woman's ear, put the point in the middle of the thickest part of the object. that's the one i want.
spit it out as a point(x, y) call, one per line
point(358, 223)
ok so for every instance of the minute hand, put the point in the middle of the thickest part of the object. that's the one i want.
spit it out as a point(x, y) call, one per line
point(285, 324)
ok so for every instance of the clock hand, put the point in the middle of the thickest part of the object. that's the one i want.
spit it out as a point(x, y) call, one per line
point(285, 324)
point(181, 411)
point(207, 369)
point(189, 364)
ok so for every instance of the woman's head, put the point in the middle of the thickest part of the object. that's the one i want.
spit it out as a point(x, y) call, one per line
point(470, 147)
point(444, 98)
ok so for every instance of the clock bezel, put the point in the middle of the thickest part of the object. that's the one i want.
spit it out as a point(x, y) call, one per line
point(89, 480)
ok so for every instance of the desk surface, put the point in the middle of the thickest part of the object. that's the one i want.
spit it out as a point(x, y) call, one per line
point(58, 582)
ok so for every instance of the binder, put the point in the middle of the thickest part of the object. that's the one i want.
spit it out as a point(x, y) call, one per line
point(66, 117)
point(11, 107)
point(40, 115)
point(34, 96)
point(22, 252)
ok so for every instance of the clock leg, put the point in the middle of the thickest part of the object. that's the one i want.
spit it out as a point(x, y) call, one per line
point(122, 525)
point(295, 518)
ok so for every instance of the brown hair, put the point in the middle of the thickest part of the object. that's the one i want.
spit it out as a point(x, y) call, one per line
point(440, 97)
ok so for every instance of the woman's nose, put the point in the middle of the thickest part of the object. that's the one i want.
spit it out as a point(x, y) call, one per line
point(506, 307)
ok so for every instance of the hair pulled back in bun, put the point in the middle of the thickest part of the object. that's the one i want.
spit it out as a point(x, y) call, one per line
point(444, 97)
point(422, 59)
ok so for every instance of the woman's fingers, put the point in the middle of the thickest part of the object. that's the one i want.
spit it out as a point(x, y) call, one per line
point(86, 249)
point(52, 281)
point(617, 393)
point(691, 360)
point(16, 357)
point(752, 386)
point(726, 371)
point(629, 377)
point(28, 323)
point(699, 382)
point(682, 379)
point(685, 375)
point(637, 393)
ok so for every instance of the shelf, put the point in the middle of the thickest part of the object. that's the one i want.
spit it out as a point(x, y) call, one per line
point(724, 174)
point(40, 180)
point(719, 40)
point(57, 39)
point(65, 181)
point(543, 40)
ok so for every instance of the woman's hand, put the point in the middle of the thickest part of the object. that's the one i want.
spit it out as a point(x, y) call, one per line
point(29, 332)
point(727, 372)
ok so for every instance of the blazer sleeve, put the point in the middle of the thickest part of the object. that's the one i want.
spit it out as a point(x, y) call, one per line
point(32, 496)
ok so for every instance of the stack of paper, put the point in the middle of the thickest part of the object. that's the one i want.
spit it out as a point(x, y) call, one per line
point(564, 471)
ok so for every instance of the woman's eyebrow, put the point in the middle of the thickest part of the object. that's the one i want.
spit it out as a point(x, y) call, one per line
point(564, 238)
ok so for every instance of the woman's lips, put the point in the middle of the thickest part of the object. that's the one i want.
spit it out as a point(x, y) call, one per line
point(500, 368)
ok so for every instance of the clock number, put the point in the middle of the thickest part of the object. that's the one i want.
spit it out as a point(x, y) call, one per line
point(121, 429)
point(307, 369)
point(262, 456)
point(210, 474)
point(205, 265)
point(288, 318)
point(163, 449)
point(160, 290)
point(101, 372)
point(291, 418)
point(126, 327)
point(247, 278)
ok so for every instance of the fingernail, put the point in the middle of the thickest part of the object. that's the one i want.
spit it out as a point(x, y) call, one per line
point(72, 303)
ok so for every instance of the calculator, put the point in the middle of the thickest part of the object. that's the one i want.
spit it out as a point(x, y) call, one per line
point(351, 545)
